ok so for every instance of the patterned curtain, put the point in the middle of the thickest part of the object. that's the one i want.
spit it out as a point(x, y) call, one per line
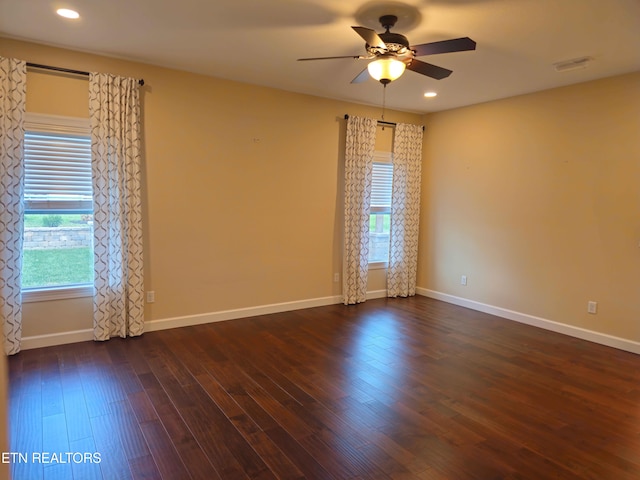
point(360, 143)
point(405, 211)
point(118, 303)
point(13, 93)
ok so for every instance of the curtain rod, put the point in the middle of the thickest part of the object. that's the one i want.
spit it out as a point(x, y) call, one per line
point(380, 122)
point(67, 70)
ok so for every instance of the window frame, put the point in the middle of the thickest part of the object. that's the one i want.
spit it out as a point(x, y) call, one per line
point(56, 124)
point(381, 157)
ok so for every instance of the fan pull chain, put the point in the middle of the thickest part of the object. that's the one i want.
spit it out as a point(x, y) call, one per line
point(384, 101)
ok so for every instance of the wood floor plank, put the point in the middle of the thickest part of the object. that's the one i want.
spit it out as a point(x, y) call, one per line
point(144, 468)
point(302, 459)
point(57, 471)
point(128, 430)
point(401, 389)
point(75, 408)
point(197, 416)
point(190, 452)
point(25, 416)
point(249, 429)
point(281, 466)
point(54, 434)
point(169, 463)
point(197, 462)
point(142, 407)
point(226, 433)
point(89, 468)
point(52, 397)
point(114, 463)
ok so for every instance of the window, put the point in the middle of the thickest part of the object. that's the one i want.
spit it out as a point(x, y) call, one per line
point(58, 232)
point(380, 215)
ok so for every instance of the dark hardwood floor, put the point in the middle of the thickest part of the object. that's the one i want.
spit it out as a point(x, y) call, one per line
point(389, 389)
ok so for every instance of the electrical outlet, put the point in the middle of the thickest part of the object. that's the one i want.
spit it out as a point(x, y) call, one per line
point(336, 277)
point(151, 296)
point(463, 280)
point(592, 307)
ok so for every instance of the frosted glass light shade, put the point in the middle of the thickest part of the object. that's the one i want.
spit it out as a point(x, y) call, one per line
point(66, 13)
point(386, 70)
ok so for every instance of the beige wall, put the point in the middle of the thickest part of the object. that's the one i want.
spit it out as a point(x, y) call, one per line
point(534, 198)
point(242, 200)
point(537, 200)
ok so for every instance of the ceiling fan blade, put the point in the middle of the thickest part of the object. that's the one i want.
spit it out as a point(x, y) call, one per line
point(445, 46)
point(361, 77)
point(429, 70)
point(371, 37)
point(331, 58)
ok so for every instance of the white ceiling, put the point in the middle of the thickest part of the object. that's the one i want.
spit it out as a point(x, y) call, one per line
point(258, 42)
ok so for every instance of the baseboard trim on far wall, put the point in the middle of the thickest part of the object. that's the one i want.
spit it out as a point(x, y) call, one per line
point(374, 294)
point(577, 332)
point(223, 315)
point(62, 338)
point(51, 339)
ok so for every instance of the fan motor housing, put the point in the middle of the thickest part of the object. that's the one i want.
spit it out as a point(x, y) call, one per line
point(395, 42)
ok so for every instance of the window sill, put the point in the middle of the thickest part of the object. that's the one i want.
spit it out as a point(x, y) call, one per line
point(378, 265)
point(57, 293)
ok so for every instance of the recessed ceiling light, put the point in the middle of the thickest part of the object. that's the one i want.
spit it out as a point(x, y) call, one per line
point(430, 94)
point(66, 13)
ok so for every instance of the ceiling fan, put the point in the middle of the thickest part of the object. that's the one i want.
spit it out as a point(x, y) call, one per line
point(393, 53)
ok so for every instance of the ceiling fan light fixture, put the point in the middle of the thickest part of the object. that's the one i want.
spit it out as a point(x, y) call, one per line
point(67, 13)
point(386, 69)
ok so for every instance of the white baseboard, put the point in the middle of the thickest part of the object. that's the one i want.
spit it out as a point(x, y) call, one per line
point(51, 339)
point(223, 315)
point(374, 294)
point(62, 338)
point(577, 332)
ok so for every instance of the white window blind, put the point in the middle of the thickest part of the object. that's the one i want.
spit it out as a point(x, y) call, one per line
point(58, 189)
point(57, 172)
point(380, 218)
point(381, 187)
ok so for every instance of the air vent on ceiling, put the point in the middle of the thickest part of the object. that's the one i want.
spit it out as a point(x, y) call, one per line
point(573, 64)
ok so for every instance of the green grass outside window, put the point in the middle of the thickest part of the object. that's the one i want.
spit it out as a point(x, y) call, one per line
point(57, 267)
